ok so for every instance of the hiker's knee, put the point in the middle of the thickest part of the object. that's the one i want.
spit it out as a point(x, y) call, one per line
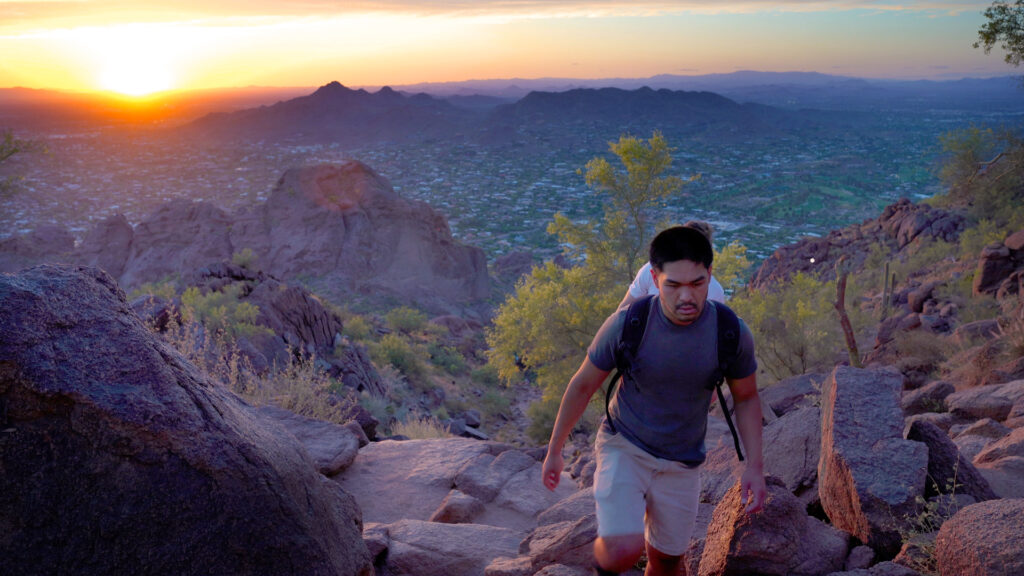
point(618, 553)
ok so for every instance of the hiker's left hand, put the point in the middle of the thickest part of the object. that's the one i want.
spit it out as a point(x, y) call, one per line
point(753, 490)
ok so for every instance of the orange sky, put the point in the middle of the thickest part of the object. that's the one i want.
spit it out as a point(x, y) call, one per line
point(139, 46)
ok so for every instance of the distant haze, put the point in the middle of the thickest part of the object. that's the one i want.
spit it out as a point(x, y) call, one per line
point(142, 47)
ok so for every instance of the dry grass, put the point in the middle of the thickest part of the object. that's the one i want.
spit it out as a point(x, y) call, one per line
point(421, 429)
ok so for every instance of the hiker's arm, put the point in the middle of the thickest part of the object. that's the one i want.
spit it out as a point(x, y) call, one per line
point(748, 420)
point(577, 395)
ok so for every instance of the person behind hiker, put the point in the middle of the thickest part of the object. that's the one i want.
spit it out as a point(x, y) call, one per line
point(643, 284)
point(647, 482)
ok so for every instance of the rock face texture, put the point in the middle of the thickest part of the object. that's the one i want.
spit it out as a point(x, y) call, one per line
point(781, 539)
point(119, 457)
point(869, 477)
point(985, 539)
point(342, 223)
point(899, 225)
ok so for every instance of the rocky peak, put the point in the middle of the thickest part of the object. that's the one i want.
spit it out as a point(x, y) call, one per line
point(900, 227)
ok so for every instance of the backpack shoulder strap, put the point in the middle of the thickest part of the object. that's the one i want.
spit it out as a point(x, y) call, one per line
point(728, 350)
point(728, 339)
point(633, 328)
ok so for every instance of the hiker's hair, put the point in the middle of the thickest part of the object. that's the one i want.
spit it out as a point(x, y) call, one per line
point(703, 227)
point(680, 243)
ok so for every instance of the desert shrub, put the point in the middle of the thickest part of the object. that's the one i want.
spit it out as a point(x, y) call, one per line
point(222, 311)
point(406, 320)
point(356, 328)
point(446, 358)
point(164, 289)
point(245, 259)
point(304, 388)
point(973, 239)
point(486, 375)
point(396, 351)
point(795, 327)
point(494, 402)
point(420, 429)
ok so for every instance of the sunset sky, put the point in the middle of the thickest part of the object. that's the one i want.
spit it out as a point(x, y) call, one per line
point(142, 46)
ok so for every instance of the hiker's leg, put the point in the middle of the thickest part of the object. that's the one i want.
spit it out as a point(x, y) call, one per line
point(620, 481)
point(672, 503)
point(618, 553)
point(661, 564)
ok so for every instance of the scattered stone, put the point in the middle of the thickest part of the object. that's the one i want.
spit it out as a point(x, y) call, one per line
point(458, 508)
point(929, 398)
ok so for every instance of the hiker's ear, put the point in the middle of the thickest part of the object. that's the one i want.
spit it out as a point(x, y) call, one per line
point(654, 275)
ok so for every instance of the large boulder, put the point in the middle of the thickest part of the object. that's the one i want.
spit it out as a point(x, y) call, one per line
point(985, 539)
point(108, 245)
point(948, 471)
point(178, 237)
point(47, 243)
point(869, 477)
point(781, 539)
point(118, 456)
point(345, 221)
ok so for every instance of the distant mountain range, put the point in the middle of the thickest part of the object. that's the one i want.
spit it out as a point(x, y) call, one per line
point(348, 117)
point(784, 89)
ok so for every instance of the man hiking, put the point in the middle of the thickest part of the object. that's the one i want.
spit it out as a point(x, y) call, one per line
point(651, 445)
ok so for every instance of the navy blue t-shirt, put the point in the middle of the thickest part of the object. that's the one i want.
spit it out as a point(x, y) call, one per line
point(663, 406)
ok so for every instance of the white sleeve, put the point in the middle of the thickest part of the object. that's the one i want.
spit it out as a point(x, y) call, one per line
point(643, 284)
point(715, 291)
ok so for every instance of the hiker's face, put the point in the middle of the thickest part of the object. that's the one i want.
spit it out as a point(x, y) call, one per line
point(683, 289)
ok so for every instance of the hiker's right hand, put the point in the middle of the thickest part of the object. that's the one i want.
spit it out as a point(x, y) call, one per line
point(552, 469)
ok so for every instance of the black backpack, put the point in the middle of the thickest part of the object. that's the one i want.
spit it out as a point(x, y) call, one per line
point(633, 332)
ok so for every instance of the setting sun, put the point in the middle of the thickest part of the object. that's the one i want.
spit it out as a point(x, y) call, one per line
point(134, 75)
point(134, 60)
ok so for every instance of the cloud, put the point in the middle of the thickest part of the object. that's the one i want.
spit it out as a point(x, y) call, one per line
point(20, 13)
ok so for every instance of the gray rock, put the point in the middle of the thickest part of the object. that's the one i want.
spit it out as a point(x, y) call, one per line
point(564, 542)
point(118, 453)
point(484, 477)
point(948, 471)
point(458, 508)
point(434, 549)
point(333, 447)
point(1002, 464)
point(994, 265)
point(572, 508)
point(979, 402)
point(505, 566)
point(781, 539)
point(869, 477)
point(525, 493)
point(860, 557)
point(928, 398)
point(986, 539)
point(792, 393)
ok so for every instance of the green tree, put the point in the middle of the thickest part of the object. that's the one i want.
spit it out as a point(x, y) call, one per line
point(1004, 26)
point(546, 325)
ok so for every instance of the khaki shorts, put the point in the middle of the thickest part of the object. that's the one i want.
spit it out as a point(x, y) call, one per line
point(640, 493)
